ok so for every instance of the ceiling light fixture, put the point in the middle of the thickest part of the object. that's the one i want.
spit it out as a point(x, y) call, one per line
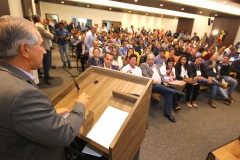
point(161, 5)
point(129, 11)
point(146, 13)
point(110, 9)
point(88, 6)
point(62, 1)
point(136, 0)
point(224, 1)
point(182, 9)
point(161, 15)
point(216, 14)
point(200, 12)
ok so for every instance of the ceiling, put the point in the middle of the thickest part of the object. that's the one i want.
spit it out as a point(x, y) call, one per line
point(167, 5)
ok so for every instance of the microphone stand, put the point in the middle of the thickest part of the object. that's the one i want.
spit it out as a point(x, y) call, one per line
point(73, 78)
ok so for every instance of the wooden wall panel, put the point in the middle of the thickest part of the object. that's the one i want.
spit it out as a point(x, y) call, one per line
point(231, 25)
point(185, 24)
point(4, 8)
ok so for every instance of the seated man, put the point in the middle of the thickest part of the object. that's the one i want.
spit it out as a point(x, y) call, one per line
point(213, 72)
point(220, 53)
point(161, 58)
point(75, 41)
point(95, 45)
point(131, 66)
point(108, 47)
point(123, 50)
point(199, 71)
point(211, 52)
point(82, 52)
point(236, 68)
point(232, 54)
point(108, 59)
point(151, 70)
point(225, 69)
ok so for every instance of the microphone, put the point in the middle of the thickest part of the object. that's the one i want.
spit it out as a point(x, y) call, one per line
point(55, 67)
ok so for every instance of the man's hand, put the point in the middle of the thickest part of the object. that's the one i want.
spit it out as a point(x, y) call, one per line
point(62, 111)
point(212, 66)
point(217, 76)
point(155, 82)
point(165, 84)
point(209, 80)
point(83, 98)
point(199, 78)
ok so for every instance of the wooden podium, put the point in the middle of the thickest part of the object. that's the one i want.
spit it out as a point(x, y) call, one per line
point(229, 151)
point(112, 88)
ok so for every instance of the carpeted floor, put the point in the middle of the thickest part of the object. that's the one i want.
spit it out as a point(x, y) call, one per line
point(197, 131)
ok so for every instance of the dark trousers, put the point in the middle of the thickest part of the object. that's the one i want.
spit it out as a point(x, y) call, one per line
point(167, 93)
point(83, 58)
point(47, 64)
point(191, 92)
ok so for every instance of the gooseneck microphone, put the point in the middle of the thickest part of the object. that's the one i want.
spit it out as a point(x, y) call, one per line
point(55, 67)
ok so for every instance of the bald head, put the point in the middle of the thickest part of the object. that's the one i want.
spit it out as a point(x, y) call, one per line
point(214, 58)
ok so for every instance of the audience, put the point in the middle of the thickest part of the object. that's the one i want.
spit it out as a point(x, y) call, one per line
point(82, 52)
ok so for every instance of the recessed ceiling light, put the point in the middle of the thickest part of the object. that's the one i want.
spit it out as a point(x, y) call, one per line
point(110, 8)
point(175, 17)
point(182, 9)
point(224, 1)
point(146, 13)
point(136, 0)
point(161, 5)
point(129, 11)
point(88, 6)
point(216, 14)
point(62, 1)
point(161, 15)
point(200, 12)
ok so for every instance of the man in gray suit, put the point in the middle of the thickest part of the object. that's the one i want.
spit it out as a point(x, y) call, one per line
point(30, 127)
point(151, 70)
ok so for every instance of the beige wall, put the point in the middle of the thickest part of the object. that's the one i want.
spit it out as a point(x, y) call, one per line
point(15, 7)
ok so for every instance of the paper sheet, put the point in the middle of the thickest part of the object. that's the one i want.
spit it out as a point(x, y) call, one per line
point(107, 126)
point(89, 149)
point(176, 82)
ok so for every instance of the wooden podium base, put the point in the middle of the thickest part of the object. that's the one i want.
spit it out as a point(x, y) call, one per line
point(230, 151)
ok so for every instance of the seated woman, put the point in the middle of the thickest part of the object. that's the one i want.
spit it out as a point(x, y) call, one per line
point(126, 58)
point(183, 72)
point(168, 72)
point(143, 57)
point(95, 60)
point(117, 59)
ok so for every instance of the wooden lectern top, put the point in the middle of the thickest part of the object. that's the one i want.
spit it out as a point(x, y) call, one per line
point(112, 88)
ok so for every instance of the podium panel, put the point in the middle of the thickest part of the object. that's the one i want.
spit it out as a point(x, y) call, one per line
point(112, 88)
point(229, 151)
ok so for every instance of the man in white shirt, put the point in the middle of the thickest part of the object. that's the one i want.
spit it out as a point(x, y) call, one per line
point(151, 70)
point(131, 67)
point(95, 45)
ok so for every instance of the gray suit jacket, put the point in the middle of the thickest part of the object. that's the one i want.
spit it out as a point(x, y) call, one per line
point(30, 128)
point(147, 71)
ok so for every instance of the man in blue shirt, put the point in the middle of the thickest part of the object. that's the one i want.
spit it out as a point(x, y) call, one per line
point(123, 50)
point(62, 35)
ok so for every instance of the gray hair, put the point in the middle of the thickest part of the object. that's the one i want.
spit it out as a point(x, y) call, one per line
point(151, 56)
point(13, 32)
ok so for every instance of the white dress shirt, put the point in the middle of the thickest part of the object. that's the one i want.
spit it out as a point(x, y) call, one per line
point(136, 70)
